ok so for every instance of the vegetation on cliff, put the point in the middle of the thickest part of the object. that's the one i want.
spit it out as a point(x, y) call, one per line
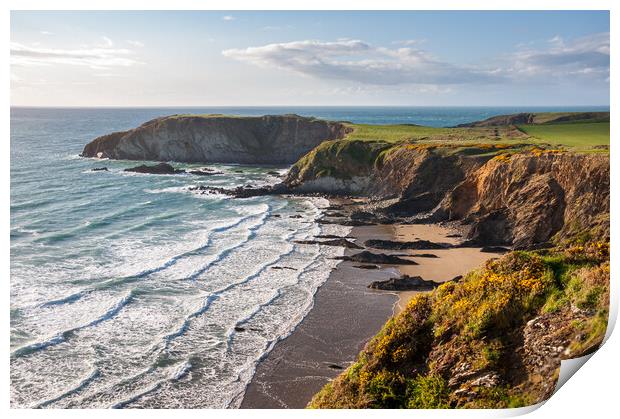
point(366, 147)
point(494, 339)
point(578, 136)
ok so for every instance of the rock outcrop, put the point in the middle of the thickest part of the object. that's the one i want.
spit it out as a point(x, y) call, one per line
point(521, 200)
point(528, 199)
point(534, 118)
point(404, 245)
point(157, 169)
point(280, 139)
point(405, 283)
point(369, 257)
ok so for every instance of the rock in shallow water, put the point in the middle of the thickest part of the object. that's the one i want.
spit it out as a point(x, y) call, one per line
point(205, 171)
point(333, 242)
point(247, 191)
point(158, 169)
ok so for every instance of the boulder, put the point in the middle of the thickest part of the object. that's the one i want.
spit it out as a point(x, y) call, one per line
point(158, 169)
point(405, 283)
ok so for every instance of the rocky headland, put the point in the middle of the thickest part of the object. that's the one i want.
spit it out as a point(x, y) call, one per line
point(522, 199)
point(271, 139)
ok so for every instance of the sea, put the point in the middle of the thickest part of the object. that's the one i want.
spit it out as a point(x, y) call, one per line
point(132, 291)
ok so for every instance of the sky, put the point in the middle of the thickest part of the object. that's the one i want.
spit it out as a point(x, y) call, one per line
point(236, 58)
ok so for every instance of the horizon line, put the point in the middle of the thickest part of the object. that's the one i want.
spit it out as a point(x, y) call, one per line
point(296, 106)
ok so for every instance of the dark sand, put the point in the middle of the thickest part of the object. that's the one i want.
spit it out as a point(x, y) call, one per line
point(346, 314)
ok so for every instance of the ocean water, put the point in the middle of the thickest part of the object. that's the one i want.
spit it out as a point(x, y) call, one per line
point(129, 290)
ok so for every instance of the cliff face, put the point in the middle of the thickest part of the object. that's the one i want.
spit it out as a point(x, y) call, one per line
point(539, 118)
point(278, 139)
point(527, 199)
point(524, 200)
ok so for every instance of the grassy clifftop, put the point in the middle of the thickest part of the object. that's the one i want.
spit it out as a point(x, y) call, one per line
point(365, 147)
point(576, 135)
point(494, 339)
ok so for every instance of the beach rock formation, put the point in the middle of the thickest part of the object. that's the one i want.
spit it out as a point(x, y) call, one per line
point(246, 191)
point(369, 257)
point(341, 242)
point(280, 139)
point(404, 245)
point(405, 283)
point(205, 171)
point(158, 169)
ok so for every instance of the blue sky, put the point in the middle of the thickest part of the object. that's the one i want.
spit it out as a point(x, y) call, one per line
point(197, 58)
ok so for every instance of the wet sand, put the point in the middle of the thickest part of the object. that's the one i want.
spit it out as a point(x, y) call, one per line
point(346, 314)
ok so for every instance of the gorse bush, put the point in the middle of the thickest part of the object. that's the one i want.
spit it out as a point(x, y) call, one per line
point(453, 347)
point(497, 296)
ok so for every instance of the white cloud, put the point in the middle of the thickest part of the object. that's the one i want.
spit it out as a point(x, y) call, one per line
point(137, 44)
point(358, 61)
point(587, 56)
point(95, 57)
point(228, 18)
point(46, 33)
point(361, 62)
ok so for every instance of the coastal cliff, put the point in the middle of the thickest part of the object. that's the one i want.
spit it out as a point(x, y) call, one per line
point(507, 195)
point(279, 139)
point(495, 337)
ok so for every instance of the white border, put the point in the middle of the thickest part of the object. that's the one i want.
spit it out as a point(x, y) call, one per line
point(591, 393)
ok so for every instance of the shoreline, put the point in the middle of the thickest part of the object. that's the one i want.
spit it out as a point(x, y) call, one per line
point(298, 366)
point(346, 314)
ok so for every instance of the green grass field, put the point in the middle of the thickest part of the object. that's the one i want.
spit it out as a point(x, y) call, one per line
point(393, 133)
point(580, 136)
point(401, 133)
point(574, 136)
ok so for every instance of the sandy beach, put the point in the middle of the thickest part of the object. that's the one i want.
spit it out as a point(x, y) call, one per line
point(346, 314)
point(449, 262)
